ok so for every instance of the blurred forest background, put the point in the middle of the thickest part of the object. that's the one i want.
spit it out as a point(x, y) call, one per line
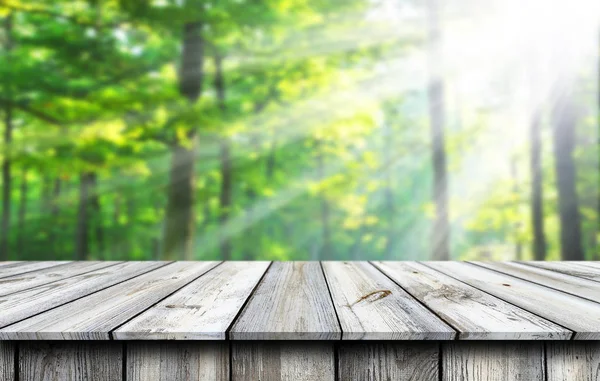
point(299, 129)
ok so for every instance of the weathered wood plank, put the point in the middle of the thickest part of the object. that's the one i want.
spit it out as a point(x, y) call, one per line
point(7, 360)
point(202, 310)
point(9, 263)
point(290, 303)
point(283, 361)
point(372, 307)
point(94, 316)
point(573, 361)
point(26, 303)
point(177, 361)
point(16, 283)
point(474, 313)
point(581, 287)
point(379, 361)
point(577, 269)
point(72, 361)
point(579, 315)
point(493, 361)
point(16, 268)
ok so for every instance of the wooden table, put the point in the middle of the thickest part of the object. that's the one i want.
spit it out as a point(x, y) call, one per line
point(299, 321)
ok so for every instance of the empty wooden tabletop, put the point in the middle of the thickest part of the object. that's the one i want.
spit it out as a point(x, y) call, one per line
point(300, 301)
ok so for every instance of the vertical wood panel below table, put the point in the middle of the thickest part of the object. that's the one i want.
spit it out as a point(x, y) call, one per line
point(398, 361)
point(573, 361)
point(493, 361)
point(283, 361)
point(7, 360)
point(178, 361)
point(70, 361)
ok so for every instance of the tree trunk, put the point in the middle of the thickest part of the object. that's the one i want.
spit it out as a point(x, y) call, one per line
point(326, 248)
point(225, 194)
point(564, 125)
point(441, 229)
point(55, 226)
point(179, 224)
point(388, 190)
point(46, 194)
point(82, 228)
point(179, 219)
point(22, 214)
point(6, 164)
point(537, 203)
point(225, 200)
point(271, 160)
point(516, 192)
point(97, 218)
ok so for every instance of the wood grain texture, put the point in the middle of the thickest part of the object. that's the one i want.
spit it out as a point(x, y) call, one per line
point(382, 361)
point(372, 307)
point(584, 288)
point(7, 360)
point(94, 316)
point(577, 269)
point(202, 310)
point(474, 313)
point(493, 361)
point(579, 315)
point(291, 303)
point(177, 361)
point(16, 268)
point(16, 283)
point(26, 303)
point(70, 361)
point(573, 361)
point(283, 361)
point(9, 263)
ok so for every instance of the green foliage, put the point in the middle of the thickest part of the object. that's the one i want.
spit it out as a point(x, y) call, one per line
point(322, 138)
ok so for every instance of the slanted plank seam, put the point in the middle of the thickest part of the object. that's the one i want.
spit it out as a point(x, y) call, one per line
point(540, 284)
point(30, 271)
point(456, 331)
point(85, 296)
point(61, 279)
point(558, 272)
point(573, 333)
point(110, 333)
point(337, 317)
point(237, 315)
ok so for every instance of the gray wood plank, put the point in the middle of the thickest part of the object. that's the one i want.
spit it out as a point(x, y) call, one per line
point(283, 361)
point(16, 283)
point(177, 361)
point(26, 303)
point(474, 313)
point(382, 361)
point(291, 302)
point(573, 361)
point(372, 307)
point(579, 315)
point(581, 287)
point(493, 361)
point(578, 269)
point(70, 361)
point(9, 263)
point(7, 360)
point(16, 268)
point(202, 310)
point(94, 316)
